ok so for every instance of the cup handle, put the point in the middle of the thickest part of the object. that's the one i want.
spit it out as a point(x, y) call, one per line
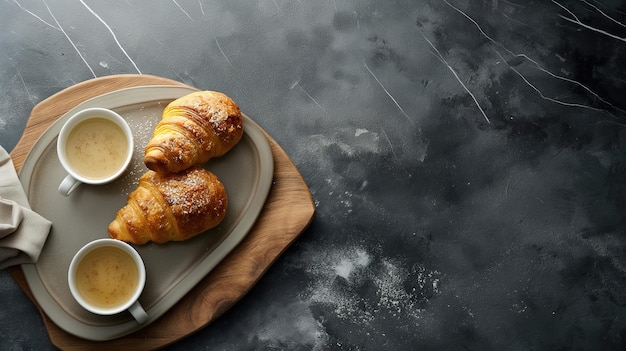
point(138, 312)
point(68, 185)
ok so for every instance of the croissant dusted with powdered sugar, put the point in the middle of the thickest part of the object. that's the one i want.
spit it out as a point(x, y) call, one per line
point(194, 129)
point(171, 207)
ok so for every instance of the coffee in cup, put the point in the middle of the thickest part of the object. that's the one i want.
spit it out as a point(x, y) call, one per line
point(106, 277)
point(94, 146)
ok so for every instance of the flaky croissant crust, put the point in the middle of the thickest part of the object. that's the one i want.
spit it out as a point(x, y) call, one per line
point(194, 129)
point(171, 207)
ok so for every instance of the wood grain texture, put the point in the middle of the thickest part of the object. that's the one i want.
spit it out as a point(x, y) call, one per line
point(287, 212)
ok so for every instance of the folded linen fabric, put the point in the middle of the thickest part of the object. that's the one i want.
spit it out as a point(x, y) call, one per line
point(22, 231)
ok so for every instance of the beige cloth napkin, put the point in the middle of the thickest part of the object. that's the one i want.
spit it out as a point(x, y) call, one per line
point(22, 231)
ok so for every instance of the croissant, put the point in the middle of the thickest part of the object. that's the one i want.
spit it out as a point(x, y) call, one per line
point(194, 129)
point(171, 207)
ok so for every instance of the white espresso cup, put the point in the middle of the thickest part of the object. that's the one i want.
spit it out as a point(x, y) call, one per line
point(106, 277)
point(95, 146)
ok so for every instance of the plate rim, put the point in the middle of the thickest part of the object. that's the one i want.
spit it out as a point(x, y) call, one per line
point(161, 92)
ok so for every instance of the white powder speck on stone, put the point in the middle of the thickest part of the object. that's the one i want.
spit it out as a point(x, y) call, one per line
point(344, 268)
point(362, 259)
point(291, 324)
point(360, 131)
point(339, 276)
point(392, 295)
point(346, 265)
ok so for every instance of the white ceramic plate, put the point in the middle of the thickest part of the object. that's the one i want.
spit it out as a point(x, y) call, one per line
point(172, 268)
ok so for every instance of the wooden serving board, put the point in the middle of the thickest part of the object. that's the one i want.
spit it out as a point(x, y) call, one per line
point(288, 211)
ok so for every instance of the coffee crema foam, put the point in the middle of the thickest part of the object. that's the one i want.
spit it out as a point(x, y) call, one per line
point(107, 277)
point(96, 148)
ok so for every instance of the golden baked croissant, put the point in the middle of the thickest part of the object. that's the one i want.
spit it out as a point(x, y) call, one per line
point(171, 207)
point(194, 129)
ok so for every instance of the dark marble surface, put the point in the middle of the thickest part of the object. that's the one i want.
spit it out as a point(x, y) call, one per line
point(467, 159)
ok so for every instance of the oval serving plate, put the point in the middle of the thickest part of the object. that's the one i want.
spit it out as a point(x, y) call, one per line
point(173, 268)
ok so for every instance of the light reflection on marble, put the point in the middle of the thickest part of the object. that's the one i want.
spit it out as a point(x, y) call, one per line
point(467, 159)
